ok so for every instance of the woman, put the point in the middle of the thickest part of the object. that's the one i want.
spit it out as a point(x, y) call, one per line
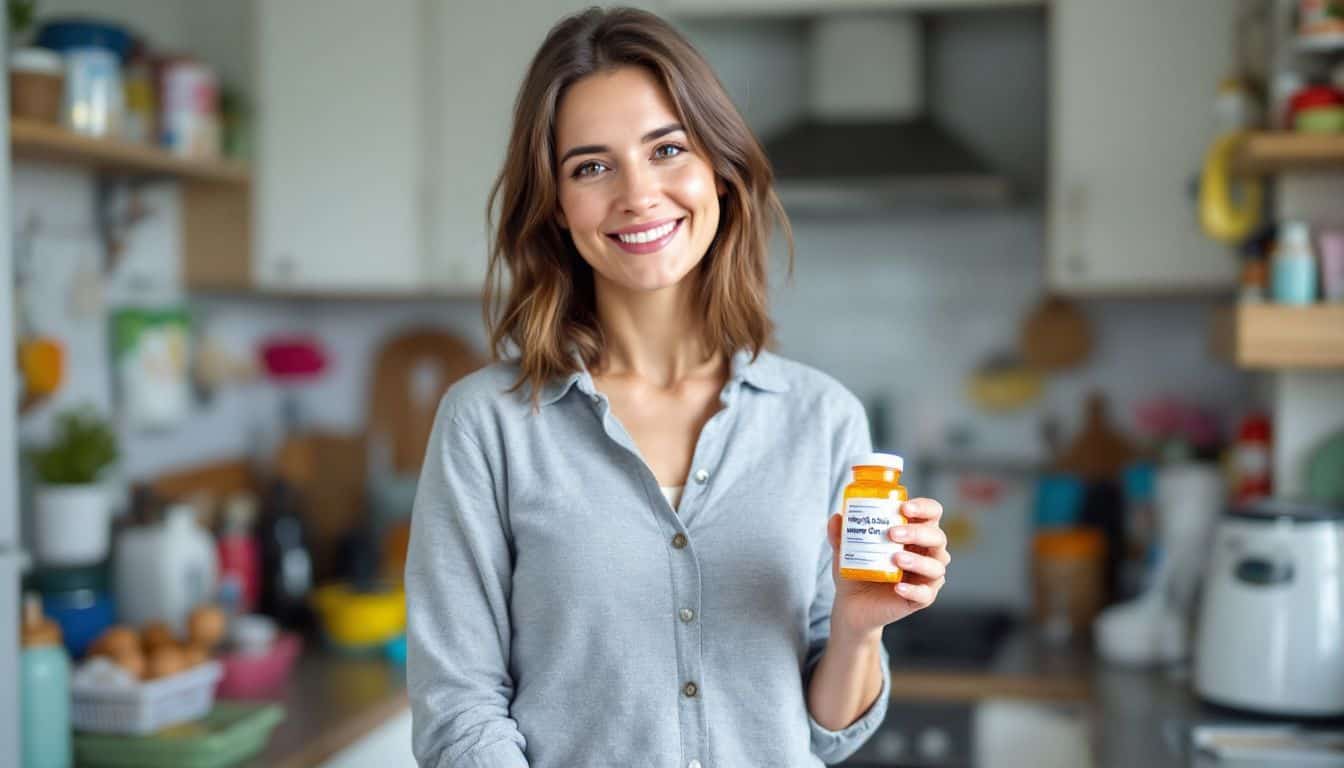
point(570, 604)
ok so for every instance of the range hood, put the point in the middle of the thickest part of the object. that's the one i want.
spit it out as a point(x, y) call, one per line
point(865, 142)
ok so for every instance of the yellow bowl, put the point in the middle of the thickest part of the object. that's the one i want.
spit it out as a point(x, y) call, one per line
point(360, 619)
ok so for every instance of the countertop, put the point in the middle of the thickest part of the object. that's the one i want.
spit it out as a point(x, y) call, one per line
point(332, 701)
point(1135, 717)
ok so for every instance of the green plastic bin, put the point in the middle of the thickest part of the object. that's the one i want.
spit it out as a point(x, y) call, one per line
point(230, 734)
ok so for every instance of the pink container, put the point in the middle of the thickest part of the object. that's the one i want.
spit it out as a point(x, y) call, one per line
point(259, 676)
point(1331, 243)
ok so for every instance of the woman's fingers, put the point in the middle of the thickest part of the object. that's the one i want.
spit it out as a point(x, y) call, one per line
point(922, 509)
point(927, 535)
point(924, 566)
point(921, 595)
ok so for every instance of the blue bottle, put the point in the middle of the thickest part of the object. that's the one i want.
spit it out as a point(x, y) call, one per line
point(44, 690)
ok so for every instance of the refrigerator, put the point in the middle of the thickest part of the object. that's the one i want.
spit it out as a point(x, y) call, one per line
point(9, 480)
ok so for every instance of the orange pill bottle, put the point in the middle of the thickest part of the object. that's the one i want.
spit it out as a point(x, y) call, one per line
point(872, 505)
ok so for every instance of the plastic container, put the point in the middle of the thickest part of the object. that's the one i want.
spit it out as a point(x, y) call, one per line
point(240, 552)
point(1332, 264)
point(77, 600)
point(149, 706)
point(229, 735)
point(1067, 581)
point(94, 103)
point(189, 109)
point(44, 673)
point(872, 505)
point(251, 675)
point(165, 570)
point(36, 83)
point(1294, 266)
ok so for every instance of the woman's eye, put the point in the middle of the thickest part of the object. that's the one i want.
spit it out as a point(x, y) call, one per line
point(666, 151)
point(590, 168)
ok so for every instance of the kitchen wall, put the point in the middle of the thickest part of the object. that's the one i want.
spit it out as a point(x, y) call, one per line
point(899, 307)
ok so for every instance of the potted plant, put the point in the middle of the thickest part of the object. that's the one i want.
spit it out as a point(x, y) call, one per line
point(72, 508)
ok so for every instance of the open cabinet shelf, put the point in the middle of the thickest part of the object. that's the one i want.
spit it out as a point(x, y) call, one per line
point(1267, 152)
point(1275, 336)
point(33, 140)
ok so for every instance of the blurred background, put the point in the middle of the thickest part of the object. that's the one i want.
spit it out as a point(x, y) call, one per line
point(1083, 261)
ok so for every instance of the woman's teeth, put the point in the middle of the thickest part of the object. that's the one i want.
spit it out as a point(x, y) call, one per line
point(648, 235)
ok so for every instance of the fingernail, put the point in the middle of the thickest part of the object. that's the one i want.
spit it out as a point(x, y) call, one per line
point(909, 506)
point(903, 588)
point(905, 558)
point(899, 532)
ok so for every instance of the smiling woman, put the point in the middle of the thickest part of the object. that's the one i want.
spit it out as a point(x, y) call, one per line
point(626, 133)
point(621, 548)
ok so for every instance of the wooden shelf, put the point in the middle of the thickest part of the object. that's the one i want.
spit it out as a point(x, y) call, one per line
point(1267, 152)
point(1275, 336)
point(29, 139)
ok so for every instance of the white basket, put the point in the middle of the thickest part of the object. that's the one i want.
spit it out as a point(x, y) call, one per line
point(146, 707)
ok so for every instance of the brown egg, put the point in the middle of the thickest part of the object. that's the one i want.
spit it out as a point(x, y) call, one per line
point(156, 634)
point(206, 626)
point(130, 660)
point(115, 640)
point(165, 660)
point(193, 654)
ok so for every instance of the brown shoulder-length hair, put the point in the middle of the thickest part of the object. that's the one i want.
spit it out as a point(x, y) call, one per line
point(550, 310)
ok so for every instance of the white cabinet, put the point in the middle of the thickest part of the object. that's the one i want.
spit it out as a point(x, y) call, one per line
point(340, 143)
point(387, 746)
point(1132, 113)
point(478, 59)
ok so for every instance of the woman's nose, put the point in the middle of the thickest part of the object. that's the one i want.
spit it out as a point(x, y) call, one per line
point(639, 190)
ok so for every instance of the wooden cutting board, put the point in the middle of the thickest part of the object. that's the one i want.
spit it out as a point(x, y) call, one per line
point(411, 372)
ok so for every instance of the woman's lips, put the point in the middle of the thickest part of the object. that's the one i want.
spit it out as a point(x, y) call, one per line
point(649, 246)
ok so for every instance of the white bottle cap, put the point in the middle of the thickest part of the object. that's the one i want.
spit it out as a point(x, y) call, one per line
point(889, 460)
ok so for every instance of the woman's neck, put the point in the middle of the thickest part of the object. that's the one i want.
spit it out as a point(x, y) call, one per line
point(655, 336)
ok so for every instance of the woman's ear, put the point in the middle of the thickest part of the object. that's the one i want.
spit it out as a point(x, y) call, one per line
point(720, 188)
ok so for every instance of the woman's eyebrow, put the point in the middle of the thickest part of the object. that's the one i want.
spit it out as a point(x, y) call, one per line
point(595, 149)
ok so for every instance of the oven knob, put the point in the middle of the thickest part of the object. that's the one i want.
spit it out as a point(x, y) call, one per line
point(934, 743)
point(890, 746)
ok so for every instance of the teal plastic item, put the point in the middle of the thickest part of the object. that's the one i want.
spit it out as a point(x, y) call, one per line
point(231, 733)
point(45, 697)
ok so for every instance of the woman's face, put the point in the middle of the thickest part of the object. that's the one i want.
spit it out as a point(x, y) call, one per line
point(640, 203)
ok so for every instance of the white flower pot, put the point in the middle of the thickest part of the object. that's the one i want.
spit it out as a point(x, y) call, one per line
point(71, 524)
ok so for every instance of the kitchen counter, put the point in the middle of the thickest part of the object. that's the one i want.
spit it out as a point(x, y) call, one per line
point(331, 702)
point(1134, 717)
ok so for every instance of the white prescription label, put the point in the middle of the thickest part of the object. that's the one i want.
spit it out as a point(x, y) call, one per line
point(863, 540)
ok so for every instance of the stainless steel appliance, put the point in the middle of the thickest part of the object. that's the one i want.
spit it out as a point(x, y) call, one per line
point(1271, 630)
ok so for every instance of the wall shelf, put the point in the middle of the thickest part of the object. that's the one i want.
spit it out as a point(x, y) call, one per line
point(1266, 152)
point(33, 140)
point(1275, 336)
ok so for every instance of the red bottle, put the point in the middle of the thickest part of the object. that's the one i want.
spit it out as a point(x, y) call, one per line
point(1253, 461)
point(240, 554)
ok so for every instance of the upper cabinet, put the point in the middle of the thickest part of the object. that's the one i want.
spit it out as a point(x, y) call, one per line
point(1131, 117)
point(738, 8)
point(340, 142)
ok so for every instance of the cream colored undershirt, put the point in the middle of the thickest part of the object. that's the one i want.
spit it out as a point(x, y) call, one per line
point(672, 493)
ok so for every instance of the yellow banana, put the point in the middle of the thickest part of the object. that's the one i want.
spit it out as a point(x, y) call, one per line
point(1222, 218)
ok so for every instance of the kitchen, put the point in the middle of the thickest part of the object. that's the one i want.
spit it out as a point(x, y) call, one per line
point(1089, 354)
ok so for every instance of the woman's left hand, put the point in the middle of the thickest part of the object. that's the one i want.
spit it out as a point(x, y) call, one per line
point(865, 606)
